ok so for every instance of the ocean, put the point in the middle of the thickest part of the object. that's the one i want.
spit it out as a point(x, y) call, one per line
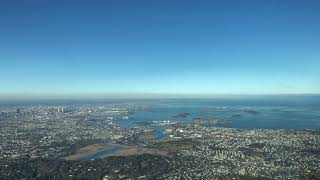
point(288, 112)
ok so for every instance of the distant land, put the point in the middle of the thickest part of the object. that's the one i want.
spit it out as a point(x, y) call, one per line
point(75, 96)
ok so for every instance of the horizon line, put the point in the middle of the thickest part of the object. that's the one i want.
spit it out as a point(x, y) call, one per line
point(75, 96)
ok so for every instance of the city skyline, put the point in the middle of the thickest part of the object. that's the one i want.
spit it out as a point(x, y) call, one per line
point(175, 48)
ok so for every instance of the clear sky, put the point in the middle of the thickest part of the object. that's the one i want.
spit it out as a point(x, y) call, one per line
point(160, 46)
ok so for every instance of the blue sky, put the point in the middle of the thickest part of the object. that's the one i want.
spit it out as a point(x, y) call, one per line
point(167, 46)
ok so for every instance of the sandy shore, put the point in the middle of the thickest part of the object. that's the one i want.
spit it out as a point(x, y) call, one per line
point(87, 151)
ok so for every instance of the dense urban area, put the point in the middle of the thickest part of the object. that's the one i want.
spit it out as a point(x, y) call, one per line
point(85, 142)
